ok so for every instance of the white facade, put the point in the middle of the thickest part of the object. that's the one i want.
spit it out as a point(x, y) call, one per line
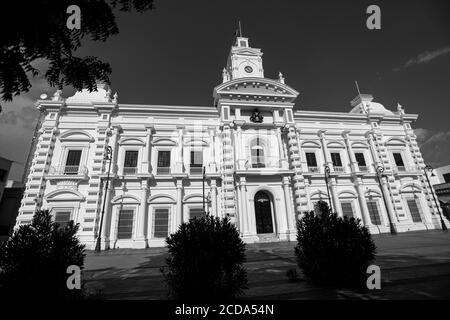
point(262, 173)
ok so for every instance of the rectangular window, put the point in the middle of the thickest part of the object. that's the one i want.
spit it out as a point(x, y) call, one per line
point(163, 166)
point(196, 213)
point(125, 225)
point(72, 162)
point(131, 161)
point(160, 222)
point(446, 177)
point(258, 160)
point(336, 159)
point(347, 208)
point(226, 113)
point(196, 162)
point(398, 159)
point(131, 158)
point(311, 159)
point(360, 159)
point(414, 210)
point(374, 213)
point(62, 217)
point(3, 174)
point(289, 116)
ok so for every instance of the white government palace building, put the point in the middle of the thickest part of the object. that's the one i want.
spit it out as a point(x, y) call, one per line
point(266, 162)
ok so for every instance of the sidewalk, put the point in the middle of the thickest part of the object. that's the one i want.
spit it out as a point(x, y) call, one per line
point(414, 265)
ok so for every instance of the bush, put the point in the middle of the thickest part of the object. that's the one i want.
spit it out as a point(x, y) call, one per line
point(206, 261)
point(332, 250)
point(34, 261)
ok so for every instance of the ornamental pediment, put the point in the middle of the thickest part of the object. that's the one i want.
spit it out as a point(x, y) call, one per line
point(259, 89)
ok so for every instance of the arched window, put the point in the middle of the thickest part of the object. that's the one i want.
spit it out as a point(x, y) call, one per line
point(257, 154)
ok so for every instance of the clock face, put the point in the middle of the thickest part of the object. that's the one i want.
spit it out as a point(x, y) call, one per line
point(248, 69)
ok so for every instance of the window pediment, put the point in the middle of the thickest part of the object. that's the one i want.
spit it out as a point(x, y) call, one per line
point(310, 144)
point(64, 195)
point(196, 142)
point(125, 199)
point(131, 141)
point(164, 142)
point(76, 135)
point(335, 144)
point(161, 198)
point(196, 197)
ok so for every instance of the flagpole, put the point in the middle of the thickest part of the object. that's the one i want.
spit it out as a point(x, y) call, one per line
point(240, 30)
point(357, 88)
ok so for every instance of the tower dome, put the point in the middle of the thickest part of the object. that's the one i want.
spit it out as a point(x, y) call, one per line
point(363, 103)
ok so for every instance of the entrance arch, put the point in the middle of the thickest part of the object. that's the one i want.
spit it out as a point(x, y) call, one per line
point(263, 213)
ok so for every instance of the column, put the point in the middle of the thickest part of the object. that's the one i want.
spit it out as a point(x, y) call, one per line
point(288, 202)
point(335, 198)
point(179, 215)
point(362, 202)
point(280, 144)
point(390, 207)
point(179, 158)
point(214, 197)
point(244, 213)
point(145, 158)
point(370, 136)
point(115, 150)
point(283, 159)
point(212, 151)
point(353, 164)
point(332, 181)
point(142, 212)
point(239, 151)
point(326, 154)
point(106, 227)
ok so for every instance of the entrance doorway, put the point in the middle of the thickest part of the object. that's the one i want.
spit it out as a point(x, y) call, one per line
point(263, 213)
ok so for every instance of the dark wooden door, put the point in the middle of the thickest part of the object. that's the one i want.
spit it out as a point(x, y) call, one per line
point(263, 212)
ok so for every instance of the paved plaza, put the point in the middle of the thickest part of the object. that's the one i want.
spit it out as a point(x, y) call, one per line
point(414, 265)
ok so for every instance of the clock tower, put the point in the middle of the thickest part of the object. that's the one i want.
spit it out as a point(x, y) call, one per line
point(243, 61)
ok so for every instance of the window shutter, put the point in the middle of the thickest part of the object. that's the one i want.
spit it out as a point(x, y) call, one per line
point(374, 212)
point(398, 159)
point(161, 222)
point(336, 159)
point(414, 210)
point(360, 159)
point(163, 158)
point(125, 225)
point(73, 158)
point(196, 213)
point(347, 208)
point(62, 217)
point(311, 159)
point(196, 158)
point(131, 158)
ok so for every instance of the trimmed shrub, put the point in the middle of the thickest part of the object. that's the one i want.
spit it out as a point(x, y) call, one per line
point(34, 260)
point(332, 250)
point(206, 261)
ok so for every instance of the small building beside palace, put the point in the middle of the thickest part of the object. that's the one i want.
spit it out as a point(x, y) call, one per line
point(263, 160)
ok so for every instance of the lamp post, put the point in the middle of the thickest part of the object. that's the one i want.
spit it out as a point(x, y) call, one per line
point(380, 171)
point(108, 156)
point(327, 175)
point(427, 169)
point(203, 186)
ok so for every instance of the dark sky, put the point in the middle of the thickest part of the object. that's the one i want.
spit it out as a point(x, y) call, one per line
point(175, 54)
